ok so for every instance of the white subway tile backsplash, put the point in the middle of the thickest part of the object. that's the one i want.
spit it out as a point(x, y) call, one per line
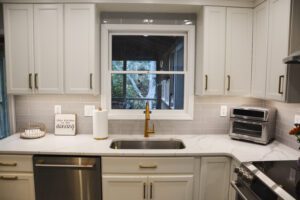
point(40, 108)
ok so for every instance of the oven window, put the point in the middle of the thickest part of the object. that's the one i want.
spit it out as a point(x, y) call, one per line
point(253, 130)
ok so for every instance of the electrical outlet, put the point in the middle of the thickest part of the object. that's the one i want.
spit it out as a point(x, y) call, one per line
point(223, 111)
point(88, 110)
point(57, 109)
point(297, 119)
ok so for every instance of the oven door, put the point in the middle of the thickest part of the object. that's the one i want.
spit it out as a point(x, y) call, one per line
point(243, 192)
point(247, 129)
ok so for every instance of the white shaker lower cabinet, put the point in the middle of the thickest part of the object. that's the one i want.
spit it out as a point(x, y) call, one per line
point(80, 49)
point(131, 187)
point(16, 178)
point(214, 178)
point(162, 187)
point(16, 186)
point(172, 187)
point(139, 178)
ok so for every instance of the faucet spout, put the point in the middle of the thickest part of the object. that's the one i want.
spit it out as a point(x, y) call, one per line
point(147, 129)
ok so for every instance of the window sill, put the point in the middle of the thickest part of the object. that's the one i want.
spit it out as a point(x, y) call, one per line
point(156, 115)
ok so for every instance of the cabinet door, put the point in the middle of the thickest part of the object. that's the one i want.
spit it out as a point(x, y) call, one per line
point(278, 47)
point(214, 178)
point(260, 50)
point(129, 187)
point(173, 187)
point(79, 48)
point(18, 27)
point(48, 44)
point(238, 51)
point(16, 186)
point(214, 28)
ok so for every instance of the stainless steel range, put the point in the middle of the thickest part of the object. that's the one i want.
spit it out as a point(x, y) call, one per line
point(270, 180)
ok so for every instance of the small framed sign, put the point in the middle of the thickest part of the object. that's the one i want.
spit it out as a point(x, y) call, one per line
point(65, 124)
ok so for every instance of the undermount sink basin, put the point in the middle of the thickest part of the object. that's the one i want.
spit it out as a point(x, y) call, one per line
point(147, 144)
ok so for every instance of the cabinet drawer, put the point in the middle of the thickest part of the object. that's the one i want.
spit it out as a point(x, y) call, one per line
point(15, 163)
point(147, 165)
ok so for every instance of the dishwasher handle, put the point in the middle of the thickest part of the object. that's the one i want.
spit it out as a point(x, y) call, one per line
point(65, 166)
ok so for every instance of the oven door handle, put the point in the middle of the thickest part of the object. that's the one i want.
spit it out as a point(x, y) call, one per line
point(248, 122)
point(235, 187)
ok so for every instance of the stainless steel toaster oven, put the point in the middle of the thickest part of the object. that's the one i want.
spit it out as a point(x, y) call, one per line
point(255, 124)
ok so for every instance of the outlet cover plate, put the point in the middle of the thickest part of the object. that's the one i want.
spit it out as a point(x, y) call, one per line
point(57, 109)
point(88, 110)
point(223, 111)
point(297, 119)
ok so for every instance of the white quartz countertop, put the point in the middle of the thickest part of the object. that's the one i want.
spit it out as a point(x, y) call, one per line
point(196, 145)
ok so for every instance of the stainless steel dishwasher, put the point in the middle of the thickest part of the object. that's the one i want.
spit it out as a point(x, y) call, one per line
point(67, 178)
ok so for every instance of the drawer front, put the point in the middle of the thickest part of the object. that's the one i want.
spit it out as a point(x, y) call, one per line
point(143, 165)
point(16, 163)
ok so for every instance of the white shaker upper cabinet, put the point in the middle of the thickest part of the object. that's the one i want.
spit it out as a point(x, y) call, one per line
point(212, 47)
point(238, 51)
point(18, 27)
point(48, 34)
point(278, 47)
point(81, 76)
point(260, 50)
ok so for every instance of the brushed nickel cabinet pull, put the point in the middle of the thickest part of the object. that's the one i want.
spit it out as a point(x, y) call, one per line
point(148, 166)
point(228, 79)
point(206, 79)
point(151, 187)
point(280, 84)
point(36, 86)
point(9, 178)
point(14, 164)
point(144, 190)
point(30, 80)
point(91, 81)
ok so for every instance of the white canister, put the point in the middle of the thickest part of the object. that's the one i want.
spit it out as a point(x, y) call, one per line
point(100, 124)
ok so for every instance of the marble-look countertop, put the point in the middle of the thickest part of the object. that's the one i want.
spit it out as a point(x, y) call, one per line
point(196, 145)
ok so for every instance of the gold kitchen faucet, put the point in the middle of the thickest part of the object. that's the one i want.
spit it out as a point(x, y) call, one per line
point(147, 130)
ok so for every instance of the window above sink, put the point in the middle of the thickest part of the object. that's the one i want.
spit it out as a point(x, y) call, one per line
point(154, 63)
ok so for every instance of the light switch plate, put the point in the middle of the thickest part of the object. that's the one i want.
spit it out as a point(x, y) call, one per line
point(297, 119)
point(88, 110)
point(223, 111)
point(57, 109)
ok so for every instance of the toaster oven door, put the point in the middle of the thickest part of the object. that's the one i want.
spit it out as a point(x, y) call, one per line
point(247, 128)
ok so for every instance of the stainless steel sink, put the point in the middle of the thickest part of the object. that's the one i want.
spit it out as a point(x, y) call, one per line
point(147, 144)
